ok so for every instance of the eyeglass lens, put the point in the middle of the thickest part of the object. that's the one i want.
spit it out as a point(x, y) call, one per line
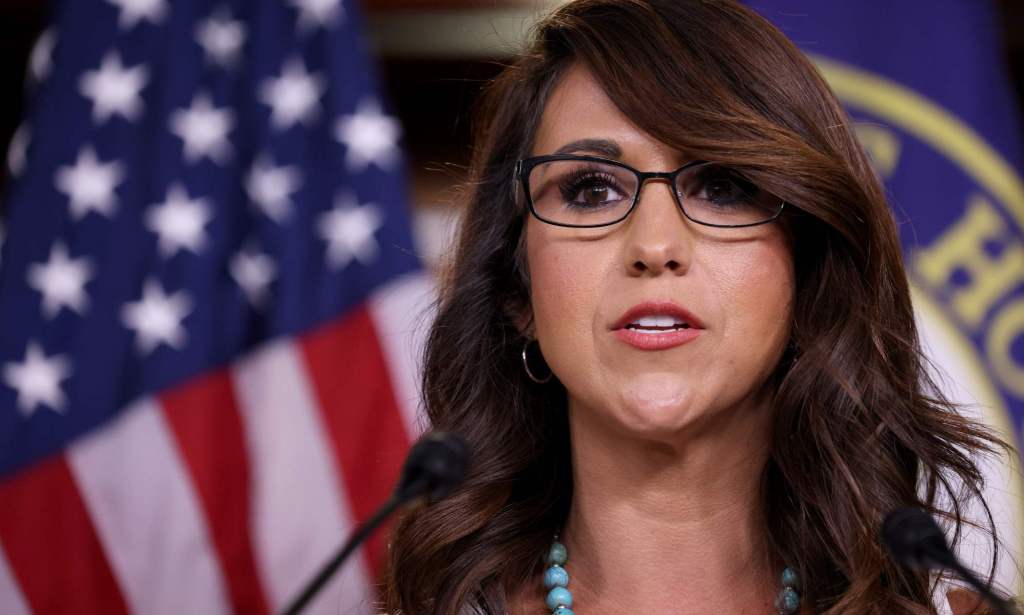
point(591, 193)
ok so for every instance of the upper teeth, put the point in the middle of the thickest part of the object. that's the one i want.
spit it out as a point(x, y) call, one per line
point(657, 321)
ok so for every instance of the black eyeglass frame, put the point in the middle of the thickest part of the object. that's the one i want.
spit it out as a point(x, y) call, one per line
point(525, 166)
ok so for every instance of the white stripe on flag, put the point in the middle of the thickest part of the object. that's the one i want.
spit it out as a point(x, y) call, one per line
point(148, 516)
point(402, 313)
point(11, 600)
point(300, 512)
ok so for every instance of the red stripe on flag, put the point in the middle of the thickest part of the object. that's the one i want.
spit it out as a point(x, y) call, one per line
point(355, 395)
point(52, 547)
point(204, 417)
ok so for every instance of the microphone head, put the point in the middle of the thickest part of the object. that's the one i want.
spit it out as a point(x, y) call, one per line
point(435, 465)
point(915, 540)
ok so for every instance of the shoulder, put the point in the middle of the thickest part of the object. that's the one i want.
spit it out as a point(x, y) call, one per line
point(966, 602)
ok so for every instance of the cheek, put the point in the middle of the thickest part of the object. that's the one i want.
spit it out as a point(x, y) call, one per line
point(564, 286)
point(756, 295)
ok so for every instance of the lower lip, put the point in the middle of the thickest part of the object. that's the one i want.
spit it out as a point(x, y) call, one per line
point(656, 341)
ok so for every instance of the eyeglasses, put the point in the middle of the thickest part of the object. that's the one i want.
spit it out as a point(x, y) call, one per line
point(588, 191)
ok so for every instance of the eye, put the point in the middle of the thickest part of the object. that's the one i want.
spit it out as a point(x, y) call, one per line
point(722, 188)
point(586, 188)
point(720, 185)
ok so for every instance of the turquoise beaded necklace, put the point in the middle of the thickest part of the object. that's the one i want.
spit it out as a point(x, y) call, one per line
point(559, 598)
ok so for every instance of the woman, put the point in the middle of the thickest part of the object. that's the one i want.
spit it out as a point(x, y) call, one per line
point(705, 381)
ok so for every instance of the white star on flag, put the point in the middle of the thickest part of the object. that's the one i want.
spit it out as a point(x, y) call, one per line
point(293, 96)
point(17, 151)
point(37, 380)
point(204, 130)
point(317, 13)
point(269, 187)
point(370, 136)
point(114, 89)
point(90, 184)
point(156, 317)
point(40, 61)
point(253, 272)
point(134, 11)
point(61, 281)
point(179, 222)
point(221, 38)
point(348, 230)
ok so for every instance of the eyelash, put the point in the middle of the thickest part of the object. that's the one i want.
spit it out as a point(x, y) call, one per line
point(571, 186)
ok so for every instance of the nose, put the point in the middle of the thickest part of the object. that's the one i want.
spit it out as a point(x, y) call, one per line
point(658, 235)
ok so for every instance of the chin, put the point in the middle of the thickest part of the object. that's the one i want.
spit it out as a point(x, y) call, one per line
point(651, 406)
point(663, 411)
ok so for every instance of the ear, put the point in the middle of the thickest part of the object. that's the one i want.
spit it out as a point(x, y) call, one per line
point(524, 324)
point(518, 306)
point(520, 314)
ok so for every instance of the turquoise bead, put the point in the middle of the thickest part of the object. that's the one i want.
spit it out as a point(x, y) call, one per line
point(556, 576)
point(557, 554)
point(559, 599)
point(559, 596)
point(790, 579)
point(788, 601)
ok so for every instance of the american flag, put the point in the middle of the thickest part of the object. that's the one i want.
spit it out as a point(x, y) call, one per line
point(209, 305)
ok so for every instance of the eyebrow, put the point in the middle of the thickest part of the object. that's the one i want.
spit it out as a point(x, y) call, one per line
point(604, 147)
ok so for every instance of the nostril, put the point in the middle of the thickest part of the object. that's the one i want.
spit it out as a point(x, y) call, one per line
point(672, 265)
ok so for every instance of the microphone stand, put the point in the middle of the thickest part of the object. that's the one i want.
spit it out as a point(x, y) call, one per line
point(916, 541)
point(434, 466)
point(361, 534)
point(1001, 606)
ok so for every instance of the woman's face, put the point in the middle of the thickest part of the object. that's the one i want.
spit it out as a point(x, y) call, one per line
point(738, 283)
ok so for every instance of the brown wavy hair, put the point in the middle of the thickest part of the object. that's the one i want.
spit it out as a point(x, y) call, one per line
point(859, 428)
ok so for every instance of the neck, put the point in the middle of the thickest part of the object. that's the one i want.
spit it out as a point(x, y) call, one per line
point(663, 526)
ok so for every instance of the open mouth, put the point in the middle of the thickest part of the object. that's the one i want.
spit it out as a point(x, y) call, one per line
point(658, 324)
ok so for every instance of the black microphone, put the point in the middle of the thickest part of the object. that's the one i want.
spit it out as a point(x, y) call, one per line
point(435, 465)
point(916, 541)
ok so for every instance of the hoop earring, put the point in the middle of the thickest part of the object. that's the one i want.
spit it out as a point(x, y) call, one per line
point(526, 365)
